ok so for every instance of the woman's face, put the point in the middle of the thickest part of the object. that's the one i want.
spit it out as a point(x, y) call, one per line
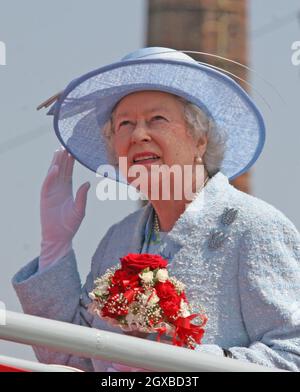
point(152, 123)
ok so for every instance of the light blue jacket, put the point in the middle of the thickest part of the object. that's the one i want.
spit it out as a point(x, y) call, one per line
point(238, 256)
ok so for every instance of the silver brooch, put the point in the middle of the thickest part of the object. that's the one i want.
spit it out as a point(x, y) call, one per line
point(229, 215)
point(216, 239)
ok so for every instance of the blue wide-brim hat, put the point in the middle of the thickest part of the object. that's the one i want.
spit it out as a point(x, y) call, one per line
point(86, 104)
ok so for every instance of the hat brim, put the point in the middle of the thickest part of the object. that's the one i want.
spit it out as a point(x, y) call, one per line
point(86, 104)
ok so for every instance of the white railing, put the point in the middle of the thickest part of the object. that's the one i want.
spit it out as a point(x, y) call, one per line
point(115, 347)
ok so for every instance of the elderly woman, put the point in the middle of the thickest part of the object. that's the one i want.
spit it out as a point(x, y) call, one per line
point(238, 256)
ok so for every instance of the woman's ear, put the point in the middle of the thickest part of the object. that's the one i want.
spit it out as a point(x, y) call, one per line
point(202, 144)
point(202, 141)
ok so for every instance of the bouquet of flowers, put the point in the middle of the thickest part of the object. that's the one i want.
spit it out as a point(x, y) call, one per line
point(140, 296)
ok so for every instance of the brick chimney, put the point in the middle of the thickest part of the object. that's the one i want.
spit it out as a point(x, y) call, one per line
point(214, 26)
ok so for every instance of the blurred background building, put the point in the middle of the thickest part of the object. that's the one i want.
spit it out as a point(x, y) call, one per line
point(48, 46)
point(217, 27)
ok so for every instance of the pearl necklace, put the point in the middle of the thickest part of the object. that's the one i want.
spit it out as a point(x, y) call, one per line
point(156, 225)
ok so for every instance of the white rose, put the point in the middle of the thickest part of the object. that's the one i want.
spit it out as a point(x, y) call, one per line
point(162, 275)
point(147, 277)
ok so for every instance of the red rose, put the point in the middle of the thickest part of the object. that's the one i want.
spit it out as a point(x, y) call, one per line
point(170, 308)
point(125, 280)
point(137, 262)
point(165, 290)
point(169, 299)
point(121, 275)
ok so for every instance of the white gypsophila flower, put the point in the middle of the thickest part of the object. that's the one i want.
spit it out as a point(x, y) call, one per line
point(147, 277)
point(162, 275)
point(179, 286)
point(105, 278)
point(102, 288)
point(154, 299)
point(184, 309)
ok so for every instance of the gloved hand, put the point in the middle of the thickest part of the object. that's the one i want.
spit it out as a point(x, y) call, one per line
point(60, 214)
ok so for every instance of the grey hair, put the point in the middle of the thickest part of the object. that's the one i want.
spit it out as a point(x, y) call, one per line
point(199, 125)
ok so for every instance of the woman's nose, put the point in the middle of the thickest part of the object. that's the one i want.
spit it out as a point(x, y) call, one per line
point(140, 133)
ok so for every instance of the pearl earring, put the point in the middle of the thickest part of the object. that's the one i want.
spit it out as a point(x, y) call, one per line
point(198, 159)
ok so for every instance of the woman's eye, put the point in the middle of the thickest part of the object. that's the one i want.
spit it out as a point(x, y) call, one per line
point(126, 122)
point(158, 118)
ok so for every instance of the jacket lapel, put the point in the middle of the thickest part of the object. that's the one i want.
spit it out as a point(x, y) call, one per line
point(137, 238)
point(189, 231)
point(192, 261)
point(200, 213)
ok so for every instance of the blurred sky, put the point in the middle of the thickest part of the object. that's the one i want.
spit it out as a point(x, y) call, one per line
point(50, 43)
point(274, 26)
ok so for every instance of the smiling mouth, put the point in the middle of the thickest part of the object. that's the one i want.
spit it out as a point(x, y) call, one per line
point(146, 160)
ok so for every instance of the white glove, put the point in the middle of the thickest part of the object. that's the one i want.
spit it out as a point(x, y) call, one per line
point(60, 215)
